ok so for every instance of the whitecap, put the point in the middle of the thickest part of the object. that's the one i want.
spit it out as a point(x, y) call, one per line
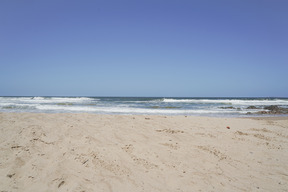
point(230, 101)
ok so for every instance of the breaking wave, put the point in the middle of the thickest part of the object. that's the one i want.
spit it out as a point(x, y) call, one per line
point(230, 101)
point(144, 105)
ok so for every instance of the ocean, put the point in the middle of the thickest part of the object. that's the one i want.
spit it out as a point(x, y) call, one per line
point(235, 107)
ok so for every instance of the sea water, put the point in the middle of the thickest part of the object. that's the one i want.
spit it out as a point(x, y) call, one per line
point(140, 105)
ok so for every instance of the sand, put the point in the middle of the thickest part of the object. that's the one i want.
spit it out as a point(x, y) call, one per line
point(89, 152)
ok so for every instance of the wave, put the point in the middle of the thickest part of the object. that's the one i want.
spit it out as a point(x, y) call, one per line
point(229, 101)
point(157, 106)
point(120, 110)
point(48, 99)
point(129, 110)
point(16, 107)
point(64, 99)
point(194, 101)
point(147, 101)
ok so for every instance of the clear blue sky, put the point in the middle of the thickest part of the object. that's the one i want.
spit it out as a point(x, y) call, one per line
point(144, 48)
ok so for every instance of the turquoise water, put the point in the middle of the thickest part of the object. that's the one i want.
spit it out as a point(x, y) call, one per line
point(140, 105)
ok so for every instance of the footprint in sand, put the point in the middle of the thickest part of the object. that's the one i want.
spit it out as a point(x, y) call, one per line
point(171, 131)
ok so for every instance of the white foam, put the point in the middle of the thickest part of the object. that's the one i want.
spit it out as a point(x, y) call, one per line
point(129, 110)
point(77, 99)
point(95, 105)
point(48, 99)
point(64, 108)
point(148, 101)
point(195, 101)
point(229, 101)
point(38, 98)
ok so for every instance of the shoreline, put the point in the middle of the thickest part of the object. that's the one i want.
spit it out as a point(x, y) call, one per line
point(88, 152)
point(222, 107)
point(255, 117)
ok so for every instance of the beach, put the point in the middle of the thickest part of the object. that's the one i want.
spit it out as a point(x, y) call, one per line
point(104, 152)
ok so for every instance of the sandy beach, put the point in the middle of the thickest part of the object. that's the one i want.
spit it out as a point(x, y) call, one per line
point(89, 152)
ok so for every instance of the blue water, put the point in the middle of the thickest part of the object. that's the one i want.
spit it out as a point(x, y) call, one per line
point(140, 105)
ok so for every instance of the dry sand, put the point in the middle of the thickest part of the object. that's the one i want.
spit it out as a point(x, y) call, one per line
point(88, 152)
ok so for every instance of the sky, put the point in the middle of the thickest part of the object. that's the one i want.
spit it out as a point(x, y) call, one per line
point(165, 48)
